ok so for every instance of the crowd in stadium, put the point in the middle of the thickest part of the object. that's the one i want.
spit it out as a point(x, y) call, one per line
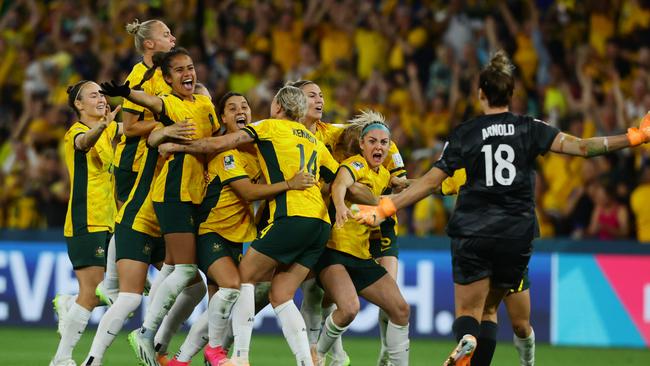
point(581, 66)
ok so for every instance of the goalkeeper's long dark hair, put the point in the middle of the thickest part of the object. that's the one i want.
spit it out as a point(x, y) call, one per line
point(161, 60)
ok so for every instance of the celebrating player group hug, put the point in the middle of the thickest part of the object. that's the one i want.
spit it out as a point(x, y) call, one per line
point(188, 184)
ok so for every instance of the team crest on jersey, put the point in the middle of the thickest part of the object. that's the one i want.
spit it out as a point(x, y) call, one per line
point(147, 249)
point(99, 252)
point(357, 165)
point(216, 247)
point(229, 162)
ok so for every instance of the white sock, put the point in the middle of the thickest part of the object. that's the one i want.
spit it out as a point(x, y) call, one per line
point(219, 309)
point(383, 324)
point(111, 282)
point(331, 332)
point(228, 337)
point(183, 307)
point(169, 289)
point(526, 349)
point(336, 351)
point(397, 343)
point(310, 309)
point(165, 271)
point(75, 323)
point(243, 315)
point(196, 339)
point(112, 323)
point(293, 328)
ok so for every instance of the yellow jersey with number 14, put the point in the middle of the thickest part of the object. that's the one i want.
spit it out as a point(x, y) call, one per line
point(284, 148)
point(354, 238)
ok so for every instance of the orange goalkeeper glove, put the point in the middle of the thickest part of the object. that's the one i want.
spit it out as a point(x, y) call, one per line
point(640, 135)
point(374, 215)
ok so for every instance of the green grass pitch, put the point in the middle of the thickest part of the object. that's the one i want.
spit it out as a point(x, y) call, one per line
point(35, 346)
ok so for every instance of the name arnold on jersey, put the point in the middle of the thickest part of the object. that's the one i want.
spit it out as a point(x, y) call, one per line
point(499, 130)
point(304, 134)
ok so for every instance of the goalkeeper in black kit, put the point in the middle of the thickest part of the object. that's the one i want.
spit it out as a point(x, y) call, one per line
point(494, 223)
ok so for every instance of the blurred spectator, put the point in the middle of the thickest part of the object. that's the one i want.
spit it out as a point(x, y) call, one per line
point(609, 219)
point(581, 66)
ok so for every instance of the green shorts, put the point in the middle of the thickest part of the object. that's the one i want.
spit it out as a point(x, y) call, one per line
point(124, 182)
point(294, 239)
point(87, 250)
point(212, 246)
point(363, 272)
point(176, 217)
point(384, 244)
point(137, 246)
point(523, 285)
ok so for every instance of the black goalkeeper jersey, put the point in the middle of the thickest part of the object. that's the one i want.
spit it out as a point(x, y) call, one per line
point(498, 152)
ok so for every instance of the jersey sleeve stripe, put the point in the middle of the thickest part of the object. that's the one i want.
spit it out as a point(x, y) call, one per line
point(251, 132)
point(354, 177)
point(138, 113)
point(327, 175)
point(234, 179)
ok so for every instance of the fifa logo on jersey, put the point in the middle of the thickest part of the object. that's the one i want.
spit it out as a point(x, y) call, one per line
point(99, 252)
point(229, 162)
point(357, 165)
point(216, 247)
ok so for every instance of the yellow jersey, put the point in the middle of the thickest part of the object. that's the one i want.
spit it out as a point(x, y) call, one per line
point(329, 134)
point(181, 177)
point(91, 207)
point(284, 148)
point(137, 212)
point(354, 238)
point(394, 162)
point(451, 185)
point(223, 211)
point(129, 150)
point(640, 203)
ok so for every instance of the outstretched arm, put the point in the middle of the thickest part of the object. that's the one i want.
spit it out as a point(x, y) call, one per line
point(208, 145)
point(88, 139)
point(153, 103)
point(571, 145)
point(419, 188)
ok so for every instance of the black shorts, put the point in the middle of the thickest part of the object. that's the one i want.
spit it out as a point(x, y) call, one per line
point(503, 260)
point(522, 286)
point(211, 246)
point(88, 250)
point(294, 239)
point(383, 241)
point(176, 217)
point(362, 272)
point(137, 246)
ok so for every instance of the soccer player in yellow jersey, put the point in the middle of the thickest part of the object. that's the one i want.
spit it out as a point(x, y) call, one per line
point(347, 267)
point(225, 222)
point(340, 139)
point(149, 37)
point(88, 148)
point(178, 189)
point(138, 243)
point(291, 244)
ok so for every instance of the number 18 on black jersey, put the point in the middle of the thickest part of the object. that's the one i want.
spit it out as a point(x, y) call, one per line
point(498, 152)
